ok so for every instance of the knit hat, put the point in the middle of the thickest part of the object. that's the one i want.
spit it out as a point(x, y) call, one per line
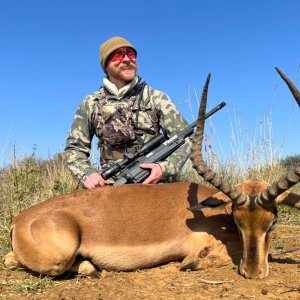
point(108, 47)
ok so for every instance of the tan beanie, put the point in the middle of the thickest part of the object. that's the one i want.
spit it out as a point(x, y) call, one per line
point(108, 47)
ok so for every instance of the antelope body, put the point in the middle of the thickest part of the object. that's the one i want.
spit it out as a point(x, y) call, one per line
point(118, 228)
point(137, 226)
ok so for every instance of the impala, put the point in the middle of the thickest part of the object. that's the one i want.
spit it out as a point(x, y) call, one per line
point(138, 226)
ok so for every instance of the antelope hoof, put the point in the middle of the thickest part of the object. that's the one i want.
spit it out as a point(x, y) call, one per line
point(214, 261)
point(189, 263)
point(10, 261)
point(85, 268)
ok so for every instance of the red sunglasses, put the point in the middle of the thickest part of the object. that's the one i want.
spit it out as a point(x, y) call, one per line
point(119, 54)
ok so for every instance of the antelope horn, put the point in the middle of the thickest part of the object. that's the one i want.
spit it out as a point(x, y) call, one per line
point(292, 177)
point(280, 186)
point(291, 86)
point(198, 163)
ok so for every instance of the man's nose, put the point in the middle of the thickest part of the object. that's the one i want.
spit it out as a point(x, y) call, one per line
point(126, 58)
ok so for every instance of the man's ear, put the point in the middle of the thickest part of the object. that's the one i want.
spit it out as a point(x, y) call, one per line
point(289, 199)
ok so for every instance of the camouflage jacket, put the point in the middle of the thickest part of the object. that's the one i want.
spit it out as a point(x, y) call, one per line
point(84, 127)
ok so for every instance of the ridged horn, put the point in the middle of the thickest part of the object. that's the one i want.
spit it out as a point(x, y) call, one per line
point(280, 186)
point(290, 84)
point(198, 163)
point(292, 177)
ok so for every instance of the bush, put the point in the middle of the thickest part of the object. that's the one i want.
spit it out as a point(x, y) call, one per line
point(290, 161)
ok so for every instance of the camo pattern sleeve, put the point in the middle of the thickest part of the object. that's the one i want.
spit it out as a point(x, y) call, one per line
point(78, 147)
point(171, 122)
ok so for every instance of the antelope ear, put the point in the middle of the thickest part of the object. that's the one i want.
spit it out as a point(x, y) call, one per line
point(289, 199)
point(222, 197)
point(212, 211)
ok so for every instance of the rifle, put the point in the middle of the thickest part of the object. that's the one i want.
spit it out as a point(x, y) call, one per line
point(157, 149)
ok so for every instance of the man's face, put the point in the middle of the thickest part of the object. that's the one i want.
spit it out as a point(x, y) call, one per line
point(122, 65)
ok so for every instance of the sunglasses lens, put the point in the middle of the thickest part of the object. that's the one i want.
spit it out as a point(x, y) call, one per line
point(121, 53)
point(117, 56)
point(130, 53)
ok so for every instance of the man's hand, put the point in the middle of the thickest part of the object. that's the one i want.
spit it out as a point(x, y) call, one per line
point(93, 181)
point(155, 175)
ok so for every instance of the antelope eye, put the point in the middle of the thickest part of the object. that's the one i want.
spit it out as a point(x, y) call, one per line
point(273, 225)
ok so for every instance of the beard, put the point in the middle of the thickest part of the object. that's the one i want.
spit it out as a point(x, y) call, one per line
point(122, 72)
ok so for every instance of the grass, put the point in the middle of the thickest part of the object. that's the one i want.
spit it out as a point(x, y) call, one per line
point(28, 285)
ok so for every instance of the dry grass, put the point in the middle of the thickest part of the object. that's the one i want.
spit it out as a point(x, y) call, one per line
point(24, 286)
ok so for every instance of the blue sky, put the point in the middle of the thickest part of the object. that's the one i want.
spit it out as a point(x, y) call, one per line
point(50, 60)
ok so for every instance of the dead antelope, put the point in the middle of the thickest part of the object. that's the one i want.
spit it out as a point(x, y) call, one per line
point(138, 226)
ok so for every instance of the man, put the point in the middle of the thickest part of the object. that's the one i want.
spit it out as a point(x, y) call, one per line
point(124, 114)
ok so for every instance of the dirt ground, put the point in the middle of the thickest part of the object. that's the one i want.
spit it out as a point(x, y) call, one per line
point(167, 282)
